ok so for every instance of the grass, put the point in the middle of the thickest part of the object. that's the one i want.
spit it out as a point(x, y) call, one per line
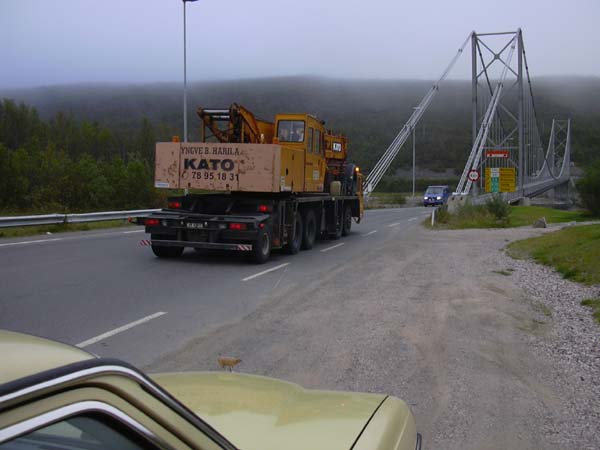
point(60, 228)
point(574, 252)
point(470, 216)
point(593, 303)
point(526, 215)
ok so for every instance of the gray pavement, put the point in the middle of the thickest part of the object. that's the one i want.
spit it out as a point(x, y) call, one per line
point(84, 288)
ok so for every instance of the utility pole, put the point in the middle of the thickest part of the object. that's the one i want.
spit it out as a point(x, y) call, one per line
point(185, 128)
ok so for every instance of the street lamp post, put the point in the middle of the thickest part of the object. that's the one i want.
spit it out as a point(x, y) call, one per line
point(185, 131)
point(413, 142)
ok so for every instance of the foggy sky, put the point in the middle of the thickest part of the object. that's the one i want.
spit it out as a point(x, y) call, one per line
point(45, 42)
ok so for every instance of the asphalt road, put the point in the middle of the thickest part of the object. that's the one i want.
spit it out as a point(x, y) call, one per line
point(106, 293)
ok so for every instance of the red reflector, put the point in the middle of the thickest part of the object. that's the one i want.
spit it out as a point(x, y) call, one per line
point(151, 222)
point(261, 225)
point(263, 208)
point(237, 226)
point(174, 205)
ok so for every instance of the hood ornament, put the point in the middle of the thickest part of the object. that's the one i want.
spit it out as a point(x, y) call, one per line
point(228, 362)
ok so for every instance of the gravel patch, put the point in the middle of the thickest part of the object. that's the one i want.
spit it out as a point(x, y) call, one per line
point(571, 344)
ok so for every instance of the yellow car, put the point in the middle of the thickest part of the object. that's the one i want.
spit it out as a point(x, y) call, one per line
point(54, 396)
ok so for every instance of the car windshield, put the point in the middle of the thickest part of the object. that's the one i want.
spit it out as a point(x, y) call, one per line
point(436, 190)
point(290, 131)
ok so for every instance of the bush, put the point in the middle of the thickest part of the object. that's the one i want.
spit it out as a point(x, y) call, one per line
point(498, 208)
point(589, 188)
point(442, 215)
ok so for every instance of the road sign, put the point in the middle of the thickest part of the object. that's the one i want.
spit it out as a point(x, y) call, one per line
point(497, 154)
point(500, 179)
point(474, 175)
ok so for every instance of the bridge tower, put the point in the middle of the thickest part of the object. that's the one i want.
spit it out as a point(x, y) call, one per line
point(507, 154)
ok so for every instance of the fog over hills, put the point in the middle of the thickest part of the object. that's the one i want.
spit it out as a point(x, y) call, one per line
point(370, 112)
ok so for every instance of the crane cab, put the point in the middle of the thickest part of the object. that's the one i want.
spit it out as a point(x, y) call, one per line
point(302, 137)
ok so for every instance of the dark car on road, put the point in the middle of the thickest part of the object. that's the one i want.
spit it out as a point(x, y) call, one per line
point(436, 195)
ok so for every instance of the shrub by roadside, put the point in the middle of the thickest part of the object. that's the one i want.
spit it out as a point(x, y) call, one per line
point(589, 188)
point(494, 214)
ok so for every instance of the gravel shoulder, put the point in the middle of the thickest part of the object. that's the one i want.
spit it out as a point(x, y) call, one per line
point(491, 353)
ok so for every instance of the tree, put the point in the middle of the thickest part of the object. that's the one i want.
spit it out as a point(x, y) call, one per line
point(589, 188)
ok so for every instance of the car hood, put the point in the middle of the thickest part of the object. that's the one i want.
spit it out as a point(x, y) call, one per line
point(260, 413)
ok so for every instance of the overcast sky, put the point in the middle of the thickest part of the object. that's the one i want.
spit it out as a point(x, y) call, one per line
point(46, 42)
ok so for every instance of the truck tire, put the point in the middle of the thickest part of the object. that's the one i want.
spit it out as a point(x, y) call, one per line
point(310, 230)
point(167, 252)
point(163, 251)
point(261, 249)
point(347, 222)
point(293, 246)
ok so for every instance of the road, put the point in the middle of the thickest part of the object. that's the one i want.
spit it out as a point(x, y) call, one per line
point(432, 317)
point(109, 295)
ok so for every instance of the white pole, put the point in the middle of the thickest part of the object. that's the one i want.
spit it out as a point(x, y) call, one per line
point(185, 133)
point(413, 139)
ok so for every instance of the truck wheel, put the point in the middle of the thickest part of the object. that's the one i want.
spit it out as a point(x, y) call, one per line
point(167, 252)
point(163, 251)
point(295, 243)
point(310, 230)
point(262, 246)
point(347, 223)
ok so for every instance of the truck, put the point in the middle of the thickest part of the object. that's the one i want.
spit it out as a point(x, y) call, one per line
point(253, 186)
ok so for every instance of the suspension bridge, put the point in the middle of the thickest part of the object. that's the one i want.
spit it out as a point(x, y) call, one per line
point(507, 156)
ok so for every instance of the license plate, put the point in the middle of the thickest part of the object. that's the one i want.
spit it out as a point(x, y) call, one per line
point(195, 225)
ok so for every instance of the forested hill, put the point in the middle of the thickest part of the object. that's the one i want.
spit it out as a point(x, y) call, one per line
point(370, 112)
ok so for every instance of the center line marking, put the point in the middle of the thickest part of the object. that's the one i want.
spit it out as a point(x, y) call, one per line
point(394, 224)
point(31, 242)
point(369, 233)
point(332, 247)
point(110, 333)
point(265, 271)
point(134, 231)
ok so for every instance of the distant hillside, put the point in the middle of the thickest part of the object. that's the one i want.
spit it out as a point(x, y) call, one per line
point(370, 112)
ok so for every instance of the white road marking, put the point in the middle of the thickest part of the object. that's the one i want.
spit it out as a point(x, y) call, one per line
point(394, 224)
point(110, 333)
point(412, 218)
point(332, 247)
point(70, 238)
point(265, 271)
point(369, 233)
point(30, 242)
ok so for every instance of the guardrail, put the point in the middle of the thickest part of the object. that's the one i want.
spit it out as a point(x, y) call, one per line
point(52, 219)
